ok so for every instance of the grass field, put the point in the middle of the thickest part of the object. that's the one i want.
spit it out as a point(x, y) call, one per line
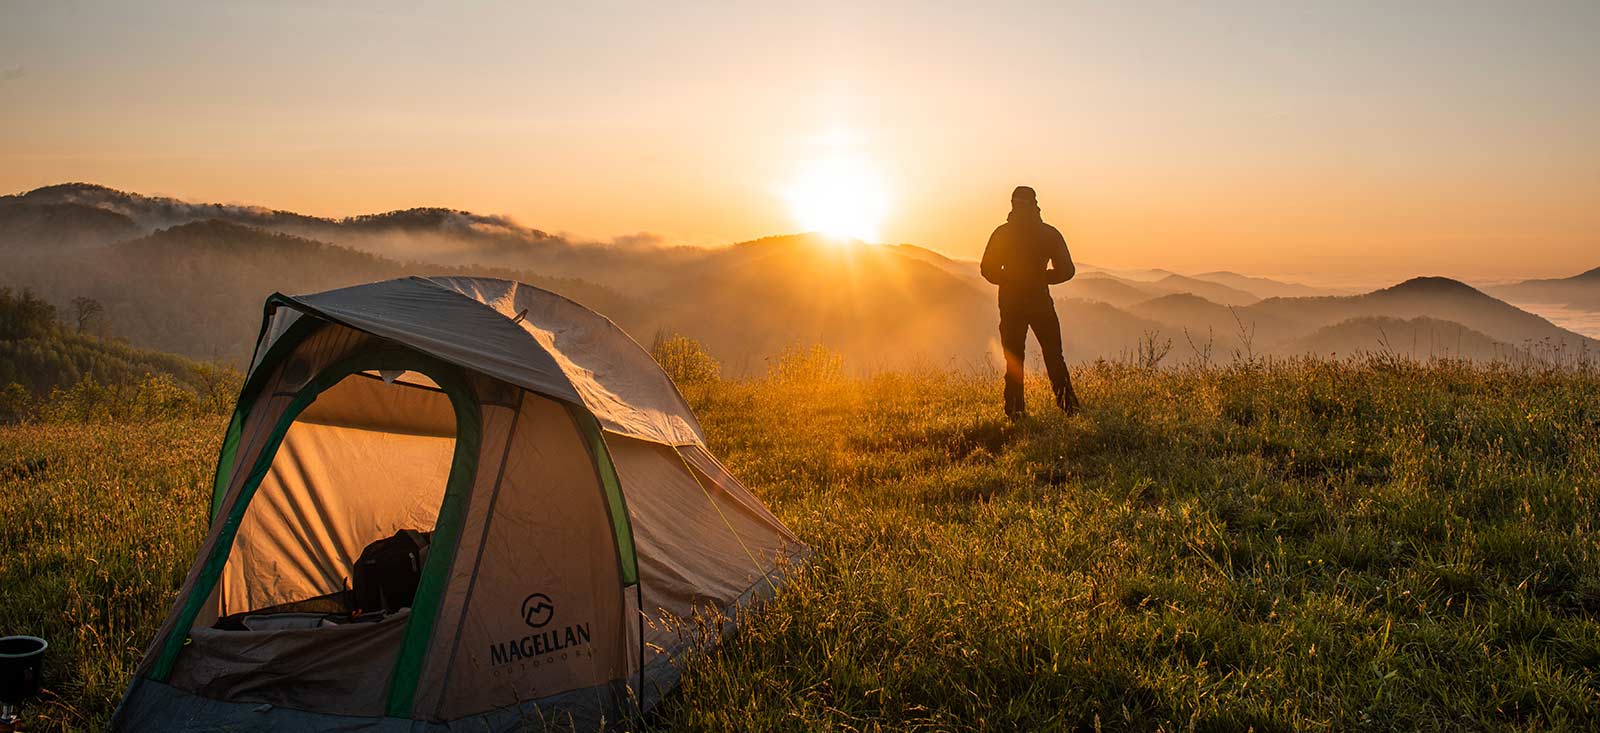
point(1307, 546)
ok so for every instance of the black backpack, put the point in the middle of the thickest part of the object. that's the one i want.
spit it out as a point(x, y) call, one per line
point(386, 575)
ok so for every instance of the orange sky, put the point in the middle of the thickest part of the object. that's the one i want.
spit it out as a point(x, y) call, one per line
point(1351, 142)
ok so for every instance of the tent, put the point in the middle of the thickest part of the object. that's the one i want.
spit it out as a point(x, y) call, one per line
point(579, 536)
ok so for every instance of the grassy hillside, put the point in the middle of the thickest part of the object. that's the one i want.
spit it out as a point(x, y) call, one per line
point(1306, 546)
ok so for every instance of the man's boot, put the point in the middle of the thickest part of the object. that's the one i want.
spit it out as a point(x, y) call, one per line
point(1015, 407)
point(1066, 398)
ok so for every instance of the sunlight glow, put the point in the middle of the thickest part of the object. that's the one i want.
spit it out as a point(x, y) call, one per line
point(841, 196)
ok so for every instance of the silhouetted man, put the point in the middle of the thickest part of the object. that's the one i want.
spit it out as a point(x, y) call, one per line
point(1025, 257)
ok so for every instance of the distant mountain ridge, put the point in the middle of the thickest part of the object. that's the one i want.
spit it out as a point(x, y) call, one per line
point(1581, 291)
point(1420, 336)
point(472, 232)
point(64, 226)
point(149, 213)
point(160, 212)
point(1433, 297)
point(1214, 292)
point(1105, 289)
point(197, 288)
point(1261, 287)
point(190, 278)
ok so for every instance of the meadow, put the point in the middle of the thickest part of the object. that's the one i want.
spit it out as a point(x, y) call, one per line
point(1305, 545)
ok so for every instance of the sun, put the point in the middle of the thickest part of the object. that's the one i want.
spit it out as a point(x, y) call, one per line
point(841, 196)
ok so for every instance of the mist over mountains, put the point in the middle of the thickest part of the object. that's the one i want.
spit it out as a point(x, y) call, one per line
point(190, 278)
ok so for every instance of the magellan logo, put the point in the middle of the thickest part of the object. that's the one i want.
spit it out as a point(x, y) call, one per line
point(544, 645)
point(537, 610)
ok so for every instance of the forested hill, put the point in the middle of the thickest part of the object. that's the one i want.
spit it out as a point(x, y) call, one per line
point(40, 354)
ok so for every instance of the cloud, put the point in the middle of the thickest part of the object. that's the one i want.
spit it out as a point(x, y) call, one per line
point(8, 73)
point(640, 240)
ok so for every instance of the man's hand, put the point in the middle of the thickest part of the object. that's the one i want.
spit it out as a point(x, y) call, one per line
point(1061, 268)
point(1060, 274)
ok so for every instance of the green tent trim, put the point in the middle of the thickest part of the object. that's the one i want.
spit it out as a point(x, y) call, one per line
point(616, 503)
point(280, 349)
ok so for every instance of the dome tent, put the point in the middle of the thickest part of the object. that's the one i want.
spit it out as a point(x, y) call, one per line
point(574, 522)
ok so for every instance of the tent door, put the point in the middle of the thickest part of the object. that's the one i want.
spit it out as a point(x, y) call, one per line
point(462, 467)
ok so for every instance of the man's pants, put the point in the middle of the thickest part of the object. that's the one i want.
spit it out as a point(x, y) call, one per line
point(1015, 320)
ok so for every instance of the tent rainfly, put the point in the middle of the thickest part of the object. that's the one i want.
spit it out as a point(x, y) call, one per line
point(453, 504)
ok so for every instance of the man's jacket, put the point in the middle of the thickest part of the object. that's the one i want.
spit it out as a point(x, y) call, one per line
point(1025, 256)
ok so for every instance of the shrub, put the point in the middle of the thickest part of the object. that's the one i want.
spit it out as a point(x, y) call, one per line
point(156, 397)
point(684, 359)
point(16, 403)
point(815, 365)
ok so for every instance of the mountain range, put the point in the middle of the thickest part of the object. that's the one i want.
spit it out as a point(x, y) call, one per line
point(190, 278)
point(1580, 292)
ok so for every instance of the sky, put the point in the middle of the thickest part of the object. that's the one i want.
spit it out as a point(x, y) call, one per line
point(1331, 142)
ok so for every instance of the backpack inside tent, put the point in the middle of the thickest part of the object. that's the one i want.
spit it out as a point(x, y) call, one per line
point(453, 503)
